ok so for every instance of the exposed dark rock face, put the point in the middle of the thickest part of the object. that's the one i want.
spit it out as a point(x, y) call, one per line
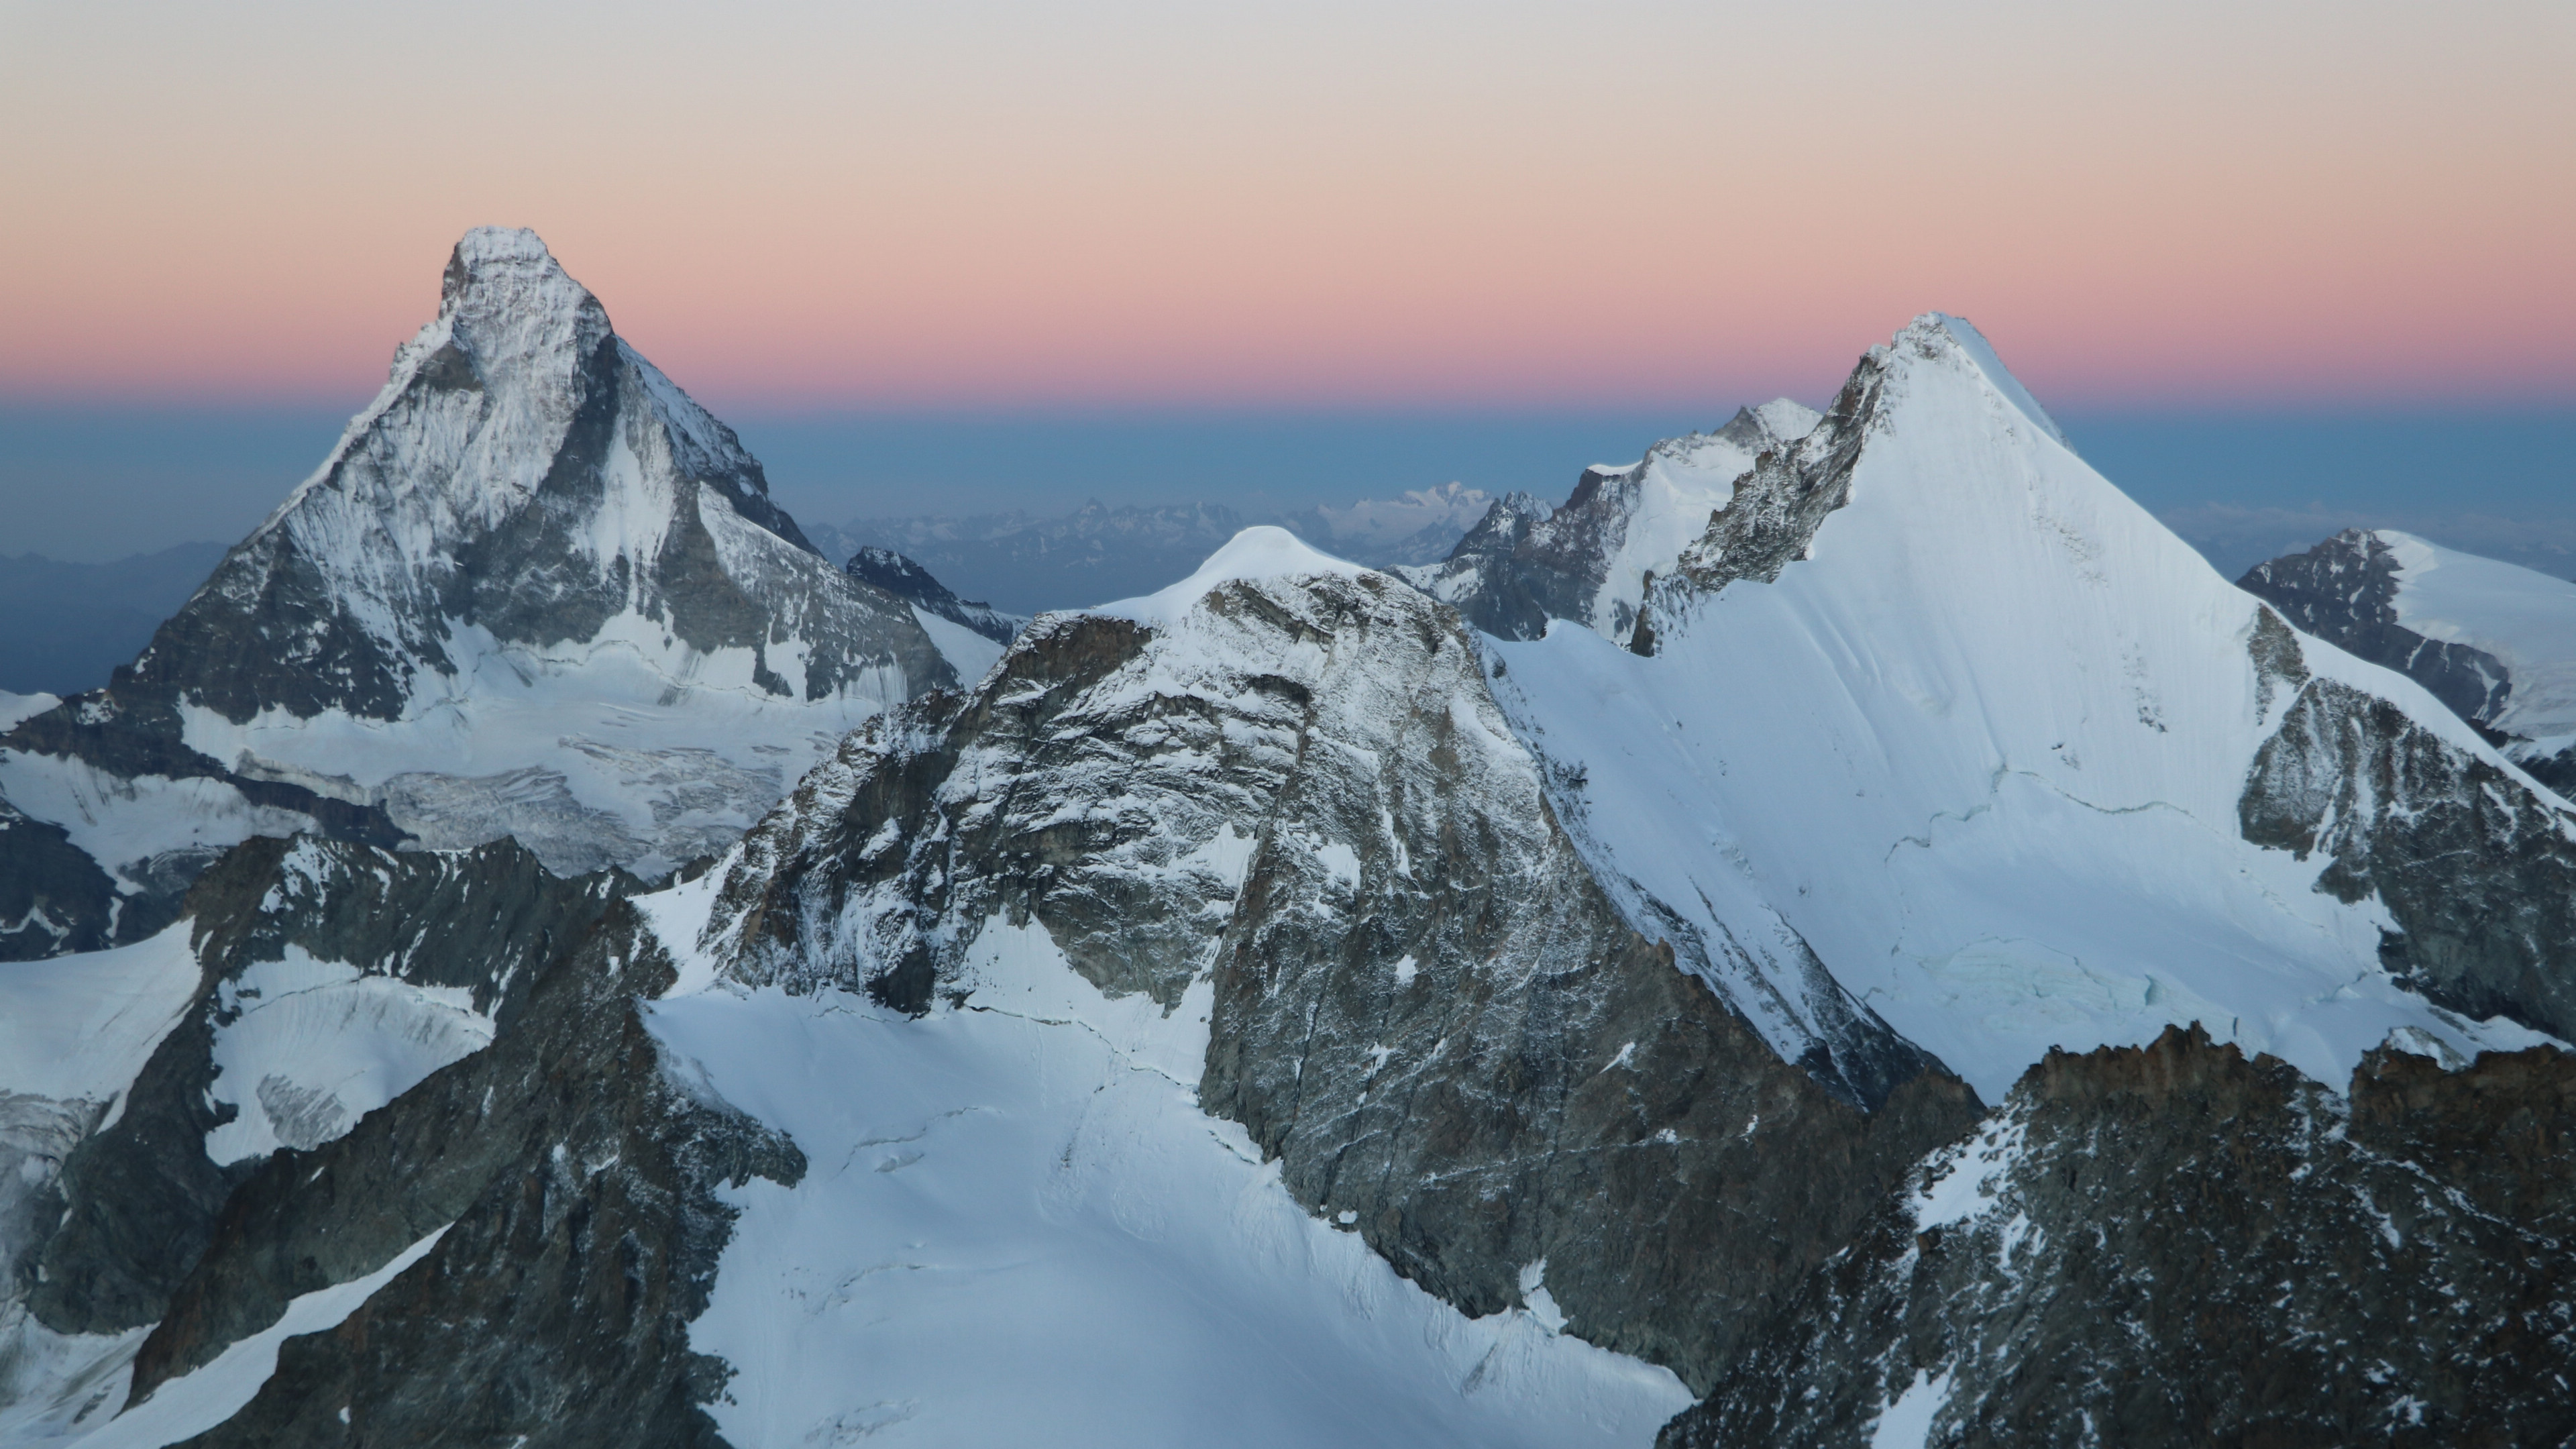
point(126, 736)
point(575, 1172)
point(1423, 1004)
point(1778, 506)
point(2479, 872)
point(1526, 563)
point(53, 897)
point(1510, 575)
point(904, 579)
point(2173, 1245)
point(2344, 591)
point(140, 1199)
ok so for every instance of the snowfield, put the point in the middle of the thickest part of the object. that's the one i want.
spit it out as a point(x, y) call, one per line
point(312, 1046)
point(78, 1028)
point(1018, 1224)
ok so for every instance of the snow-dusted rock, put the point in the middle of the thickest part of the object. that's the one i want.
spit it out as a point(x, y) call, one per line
point(2495, 642)
point(1589, 559)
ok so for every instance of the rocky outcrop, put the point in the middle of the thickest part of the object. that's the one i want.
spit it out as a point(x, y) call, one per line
point(2175, 1245)
point(901, 577)
point(1776, 508)
point(1591, 559)
point(1452, 1039)
point(574, 1171)
point(139, 1200)
point(2344, 591)
point(53, 897)
point(2477, 871)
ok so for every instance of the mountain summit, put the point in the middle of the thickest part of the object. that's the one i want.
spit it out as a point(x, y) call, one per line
point(535, 590)
point(525, 479)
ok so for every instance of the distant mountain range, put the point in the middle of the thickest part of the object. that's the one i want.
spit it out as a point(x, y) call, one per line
point(1026, 564)
point(70, 623)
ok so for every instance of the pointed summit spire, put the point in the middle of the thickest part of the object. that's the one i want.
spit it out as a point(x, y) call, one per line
point(508, 313)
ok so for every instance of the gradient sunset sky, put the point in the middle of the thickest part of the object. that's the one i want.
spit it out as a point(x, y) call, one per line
point(1393, 204)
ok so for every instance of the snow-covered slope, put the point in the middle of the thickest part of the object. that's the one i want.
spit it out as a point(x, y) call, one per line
point(534, 590)
point(1019, 1224)
point(1940, 700)
point(1589, 559)
point(2495, 642)
point(1257, 846)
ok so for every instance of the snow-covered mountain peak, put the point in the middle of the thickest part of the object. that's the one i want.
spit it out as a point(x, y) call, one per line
point(533, 590)
point(1941, 340)
point(1263, 552)
point(487, 255)
point(505, 296)
point(1928, 647)
point(1784, 418)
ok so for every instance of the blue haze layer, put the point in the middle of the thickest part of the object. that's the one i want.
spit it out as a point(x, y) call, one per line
point(93, 484)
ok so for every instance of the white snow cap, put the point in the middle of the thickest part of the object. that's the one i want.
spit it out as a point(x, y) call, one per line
point(1935, 333)
point(1788, 417)
point(1262, 552)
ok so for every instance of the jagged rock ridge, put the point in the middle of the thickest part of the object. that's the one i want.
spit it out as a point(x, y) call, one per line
point(2173, 1245)
point(1295, 790)
point(2442, 618)
point(1590, 558)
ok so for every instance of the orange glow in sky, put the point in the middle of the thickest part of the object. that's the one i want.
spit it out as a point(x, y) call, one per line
point(1394, 204)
